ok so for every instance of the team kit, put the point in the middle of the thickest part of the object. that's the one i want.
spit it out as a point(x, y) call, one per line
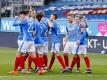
point(33, 43)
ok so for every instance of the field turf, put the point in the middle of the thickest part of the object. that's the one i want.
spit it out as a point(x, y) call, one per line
point(98, 65)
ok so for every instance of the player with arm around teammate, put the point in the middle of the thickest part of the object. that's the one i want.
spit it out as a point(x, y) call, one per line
point(28, 42)
point(55, 42)
point(83, 42)
point(44, 23)
point(39, 38)
point(70, 18)
point(20, 55)
point(73, 40)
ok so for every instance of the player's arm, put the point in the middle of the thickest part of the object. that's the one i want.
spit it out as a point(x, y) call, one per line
point(79, 35)
point(85, 21)
point(15, 22)
point(44, 32)
point(49, 24)
point(34, 32)
point(66, 36)
point(22, 22)
point(35, 29)
point(55, 29)
point(82, 35)
point(86, 26)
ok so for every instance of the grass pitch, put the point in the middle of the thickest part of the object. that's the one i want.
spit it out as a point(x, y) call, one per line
point(98, 65)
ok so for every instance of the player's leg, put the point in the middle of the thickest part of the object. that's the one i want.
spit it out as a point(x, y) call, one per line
point(19, 42)
point(45, 59)
point(30, 59)
point(52, 59)
point(38, 63)
point(73, 62)
point(20, 66)
point(75, 51)
point(45, 53)
point(66, 51)
point(59, 57)
point(24, 53)
point(19, 58)
point(39, 58)
point(66, 59)
point(78, 63)
point(16, 64)
point(87, 62)
point(37, 55)
point(80, 49)
point(36, 60)
point(30, 63)
point(86, 59)
point(41, 53)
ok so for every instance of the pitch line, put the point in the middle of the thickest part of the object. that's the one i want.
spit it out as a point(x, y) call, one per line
point(56, 76)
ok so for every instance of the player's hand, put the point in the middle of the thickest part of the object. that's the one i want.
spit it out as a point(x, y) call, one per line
point(18, 17)
point(45, 34)
point(78, 42)
point(34, 33)
point(82, 29)
point(50, 24)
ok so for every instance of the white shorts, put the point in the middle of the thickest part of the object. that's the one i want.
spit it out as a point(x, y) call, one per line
point(27, 46)
point(46, 47)
point(71, 47)
point(83, 49)
point(55, 47)
point(19, 42)
point(39, 48)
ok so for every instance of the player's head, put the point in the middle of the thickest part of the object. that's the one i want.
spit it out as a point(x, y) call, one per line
point(78, 18)
point(70, 17)
point(22, 14)
point(27, 12)
point(53, 16)
point(33, 14)
point(40, 15)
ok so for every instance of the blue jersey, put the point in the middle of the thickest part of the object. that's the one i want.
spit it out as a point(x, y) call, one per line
point(83, 40)
point(38, 37)
point(73, 32)
point(44, 26)
point(20, 24)
point(56, 33)
point(28, 29)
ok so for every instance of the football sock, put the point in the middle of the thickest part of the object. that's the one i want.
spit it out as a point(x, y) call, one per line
point(29, 61)
point(45, 59)
point(78, 62)
point(61, 61)
point(52, 60)
point(74, 60)
point(22, 62)
point(66, 59)
point(17, 63)
point(42, 60)
point(87, 62)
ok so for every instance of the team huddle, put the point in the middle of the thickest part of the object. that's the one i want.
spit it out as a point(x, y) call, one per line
point(33, 42)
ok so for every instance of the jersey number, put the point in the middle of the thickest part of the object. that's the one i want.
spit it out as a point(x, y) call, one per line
point(30, 29)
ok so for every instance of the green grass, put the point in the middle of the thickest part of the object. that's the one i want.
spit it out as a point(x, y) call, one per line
point(98, 65)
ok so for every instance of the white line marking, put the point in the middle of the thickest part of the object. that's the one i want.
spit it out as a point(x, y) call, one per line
point(55, 75)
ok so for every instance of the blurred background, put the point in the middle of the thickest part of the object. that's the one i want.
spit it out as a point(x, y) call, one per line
point(10, 8)
point(94, 10)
